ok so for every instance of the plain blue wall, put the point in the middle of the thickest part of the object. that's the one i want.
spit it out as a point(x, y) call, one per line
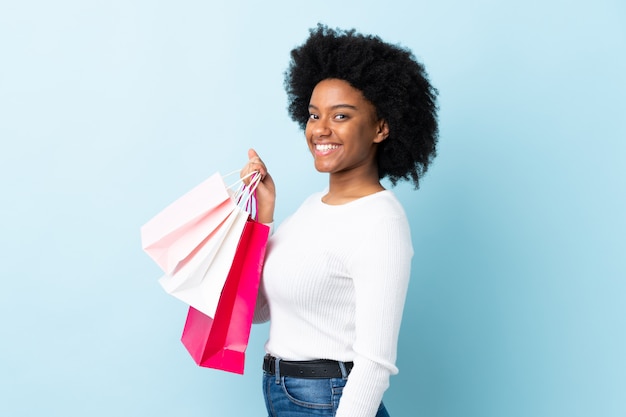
point(109, 110)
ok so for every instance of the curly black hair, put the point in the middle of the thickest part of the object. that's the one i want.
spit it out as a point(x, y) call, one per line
point(389, 77)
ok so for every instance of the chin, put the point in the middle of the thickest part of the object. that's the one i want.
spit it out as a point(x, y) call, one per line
point(323, 169)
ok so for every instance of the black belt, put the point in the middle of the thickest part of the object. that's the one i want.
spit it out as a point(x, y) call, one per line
point(320, 368)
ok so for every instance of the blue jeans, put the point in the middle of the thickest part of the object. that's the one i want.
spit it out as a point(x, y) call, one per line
point(301, 397)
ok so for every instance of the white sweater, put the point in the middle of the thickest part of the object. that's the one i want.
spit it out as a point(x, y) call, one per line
point(334, 286)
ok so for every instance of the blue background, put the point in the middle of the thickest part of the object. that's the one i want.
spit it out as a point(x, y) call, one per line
point(109, 110)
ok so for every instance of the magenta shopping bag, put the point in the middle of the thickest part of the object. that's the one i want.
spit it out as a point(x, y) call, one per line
point(220, 342)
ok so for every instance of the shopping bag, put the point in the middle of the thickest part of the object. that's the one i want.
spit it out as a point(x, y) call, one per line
point(199, 282)
point(220, 341)
point(171, 236)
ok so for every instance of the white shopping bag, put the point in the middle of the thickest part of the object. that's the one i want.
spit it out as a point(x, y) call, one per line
point(200, 281)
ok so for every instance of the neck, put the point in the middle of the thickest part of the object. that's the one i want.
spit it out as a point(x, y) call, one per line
point(349, 186)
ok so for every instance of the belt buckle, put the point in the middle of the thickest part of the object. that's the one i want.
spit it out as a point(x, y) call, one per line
point(269, 364)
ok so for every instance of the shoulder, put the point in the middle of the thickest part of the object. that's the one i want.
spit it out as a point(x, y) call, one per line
point(381, 205)
point(382, 218)
point(387, 200)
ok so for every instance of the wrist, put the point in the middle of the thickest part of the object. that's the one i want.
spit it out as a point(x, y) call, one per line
point(265, 214)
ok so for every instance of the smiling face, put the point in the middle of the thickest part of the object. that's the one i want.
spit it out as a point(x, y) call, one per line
point(343, 129)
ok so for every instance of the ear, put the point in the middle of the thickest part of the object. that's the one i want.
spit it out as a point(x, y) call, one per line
point(382, 131)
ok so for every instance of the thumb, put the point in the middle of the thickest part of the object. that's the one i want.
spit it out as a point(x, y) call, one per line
point(252, 154)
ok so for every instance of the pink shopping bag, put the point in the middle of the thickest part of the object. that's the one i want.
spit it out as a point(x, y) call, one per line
point(171, 236)
point(220, 342)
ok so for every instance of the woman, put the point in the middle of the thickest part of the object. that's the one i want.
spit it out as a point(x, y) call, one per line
point(337, 270)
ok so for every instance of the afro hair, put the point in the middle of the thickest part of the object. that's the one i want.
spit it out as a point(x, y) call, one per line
point(389, 77)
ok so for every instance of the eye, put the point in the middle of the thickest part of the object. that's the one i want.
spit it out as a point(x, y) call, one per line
point(340, 116)
point(313, 116)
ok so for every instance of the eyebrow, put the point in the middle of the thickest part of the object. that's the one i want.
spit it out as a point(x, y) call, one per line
point(336, 106)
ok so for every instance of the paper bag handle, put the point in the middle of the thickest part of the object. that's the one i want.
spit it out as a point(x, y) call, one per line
point(245, 195)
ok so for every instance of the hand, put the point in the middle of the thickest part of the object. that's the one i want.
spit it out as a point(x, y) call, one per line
point(266, 191)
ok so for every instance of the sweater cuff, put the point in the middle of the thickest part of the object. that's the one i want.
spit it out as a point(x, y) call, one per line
point(271, 226)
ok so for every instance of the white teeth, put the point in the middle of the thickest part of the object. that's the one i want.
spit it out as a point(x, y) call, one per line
point(326, 147)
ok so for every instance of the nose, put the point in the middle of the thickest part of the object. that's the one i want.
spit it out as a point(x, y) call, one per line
point(320, 127)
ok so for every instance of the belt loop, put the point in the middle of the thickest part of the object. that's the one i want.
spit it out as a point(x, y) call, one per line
point(277, 370)
point(344, 373)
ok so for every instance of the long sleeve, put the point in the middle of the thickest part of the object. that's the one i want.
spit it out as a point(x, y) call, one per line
point(380, 269)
